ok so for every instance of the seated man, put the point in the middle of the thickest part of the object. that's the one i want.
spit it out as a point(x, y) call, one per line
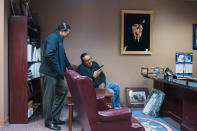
point(93, 70)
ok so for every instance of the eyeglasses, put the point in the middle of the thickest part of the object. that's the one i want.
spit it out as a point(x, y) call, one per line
point(86, 61)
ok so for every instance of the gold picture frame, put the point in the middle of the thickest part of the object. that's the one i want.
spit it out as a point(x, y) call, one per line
point(136, 32)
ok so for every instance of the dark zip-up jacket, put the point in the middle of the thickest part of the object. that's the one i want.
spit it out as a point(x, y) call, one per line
point(54, 60)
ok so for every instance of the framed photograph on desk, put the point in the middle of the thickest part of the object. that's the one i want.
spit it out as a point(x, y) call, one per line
point(194, 36)
point(136, 97)
point(136, 32)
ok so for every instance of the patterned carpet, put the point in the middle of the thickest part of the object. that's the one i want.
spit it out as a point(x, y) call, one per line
point(151, 123)
point(36, 123)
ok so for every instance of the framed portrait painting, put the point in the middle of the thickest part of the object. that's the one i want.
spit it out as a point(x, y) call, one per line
point(136, 97)
point(194, 36)
point(136, 32)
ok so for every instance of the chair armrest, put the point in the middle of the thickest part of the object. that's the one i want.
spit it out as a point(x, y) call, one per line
point(115, 114)
point(101, 104)
point(136, 124)
point(72, 67)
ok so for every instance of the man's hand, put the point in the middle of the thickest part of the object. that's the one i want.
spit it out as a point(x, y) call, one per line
point(101, 86)
point(97, 73)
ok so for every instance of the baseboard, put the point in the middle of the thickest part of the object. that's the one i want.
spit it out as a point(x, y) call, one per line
point(3, 123)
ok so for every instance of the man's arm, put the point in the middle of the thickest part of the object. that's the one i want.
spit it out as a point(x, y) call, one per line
point(100, 79)
point(84, 71)
point(67, 61)
point(97, 73)
point(102, 86)
point(50, 53)
point(96, 79)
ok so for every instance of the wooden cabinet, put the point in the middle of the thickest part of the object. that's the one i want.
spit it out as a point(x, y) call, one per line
point(179, 103)
point(19, 93)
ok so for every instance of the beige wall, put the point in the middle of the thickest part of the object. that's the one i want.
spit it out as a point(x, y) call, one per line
point(3, 62)
point(1, 59)
point(96, 29)
point(6, 103)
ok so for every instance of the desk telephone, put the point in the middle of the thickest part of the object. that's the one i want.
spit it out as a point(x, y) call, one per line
point(169, 74)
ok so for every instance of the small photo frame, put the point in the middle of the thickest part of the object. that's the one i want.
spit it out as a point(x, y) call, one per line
point(194, 36)
point(136, 97)
point(136, 32)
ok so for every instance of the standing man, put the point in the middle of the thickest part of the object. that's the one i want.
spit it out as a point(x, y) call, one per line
point(93, 70)
point(53, 66)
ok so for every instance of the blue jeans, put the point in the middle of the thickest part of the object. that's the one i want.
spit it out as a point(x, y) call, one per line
point(114, 89)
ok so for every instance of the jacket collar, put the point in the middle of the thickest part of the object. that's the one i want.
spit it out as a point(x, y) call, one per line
point(58, 34)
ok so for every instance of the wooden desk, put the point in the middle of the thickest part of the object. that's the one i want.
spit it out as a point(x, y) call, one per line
point(180, 103)
point(71, 104)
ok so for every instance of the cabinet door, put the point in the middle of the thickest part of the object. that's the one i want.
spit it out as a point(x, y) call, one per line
point(18, 69)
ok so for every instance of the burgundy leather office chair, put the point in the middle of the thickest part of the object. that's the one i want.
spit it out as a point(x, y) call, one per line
point(93, 114)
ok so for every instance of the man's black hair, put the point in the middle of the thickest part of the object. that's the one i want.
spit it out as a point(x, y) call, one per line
point(64, 26)
point(83, 55)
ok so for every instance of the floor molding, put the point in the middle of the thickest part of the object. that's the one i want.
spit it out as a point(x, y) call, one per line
point(3, 123)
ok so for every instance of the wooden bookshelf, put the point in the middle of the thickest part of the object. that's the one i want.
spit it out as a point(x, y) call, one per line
point(19, 94)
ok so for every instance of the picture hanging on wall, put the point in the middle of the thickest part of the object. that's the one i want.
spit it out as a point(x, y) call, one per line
point(194, 36)
point(136, 32)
